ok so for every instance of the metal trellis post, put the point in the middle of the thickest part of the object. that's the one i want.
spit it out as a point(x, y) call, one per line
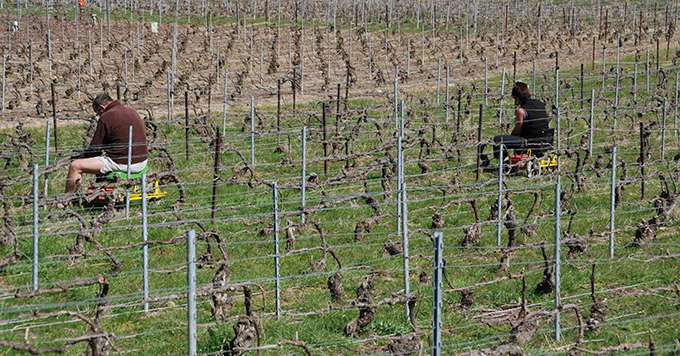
point(129, 163)
point(404, 214)
point(437, 293)
point(303, 180)
point(663, 130)
point(446, 99)
point(277, 272)
point(558, 213)
point(612, 206)
point(36, 227)
point(591, 123)
point(399, 186)
point(675, 115)
point(224, 109)
point(191, 292)
point(252, 132)
point(499, 209)
point(145, 247)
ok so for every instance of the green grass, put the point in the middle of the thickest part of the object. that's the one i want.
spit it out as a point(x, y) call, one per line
point(243, 212)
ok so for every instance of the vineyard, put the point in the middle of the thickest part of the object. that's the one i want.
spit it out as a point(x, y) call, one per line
point(330, 181)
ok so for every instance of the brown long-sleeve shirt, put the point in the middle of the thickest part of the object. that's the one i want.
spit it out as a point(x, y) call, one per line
point(111, 135)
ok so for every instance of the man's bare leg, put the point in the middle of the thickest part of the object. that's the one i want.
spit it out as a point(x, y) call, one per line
point(76, 170)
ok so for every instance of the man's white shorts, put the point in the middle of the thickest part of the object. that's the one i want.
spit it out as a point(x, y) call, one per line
point(108, 165)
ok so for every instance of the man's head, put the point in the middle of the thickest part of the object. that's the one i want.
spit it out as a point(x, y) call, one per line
point(520, 92)
point(100, 102)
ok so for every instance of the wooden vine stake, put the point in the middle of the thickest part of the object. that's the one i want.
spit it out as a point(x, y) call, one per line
point(479, 142)
point(186, 125)
point(216, 173)
point(54, 121)
point(325, 143)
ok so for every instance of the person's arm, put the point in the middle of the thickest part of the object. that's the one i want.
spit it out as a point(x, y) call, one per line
point(519, 120)
point(97, 142)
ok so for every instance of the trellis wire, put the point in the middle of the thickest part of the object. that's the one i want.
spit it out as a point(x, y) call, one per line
point(404, 199)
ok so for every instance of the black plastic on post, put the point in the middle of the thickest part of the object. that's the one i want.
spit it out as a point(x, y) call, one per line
point(514, 66)
point(479, 141)
point(54, 120)
point(642, 162)
point(346, 89)
point(581, 89)
point(657, 56)
point(337, 111)
point(292, 84)
point(458, 109)
point(209, 97)
point(592, 63)
point(325, 144)
point(216, 174)
point(457, 132)
point(186, 125)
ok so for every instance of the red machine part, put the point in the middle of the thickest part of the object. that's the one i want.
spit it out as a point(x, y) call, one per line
point(519, 160)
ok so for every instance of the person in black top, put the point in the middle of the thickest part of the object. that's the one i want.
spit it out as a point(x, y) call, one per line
point(531, 129)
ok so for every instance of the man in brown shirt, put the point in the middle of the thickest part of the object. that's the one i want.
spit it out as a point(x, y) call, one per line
point(108, 150)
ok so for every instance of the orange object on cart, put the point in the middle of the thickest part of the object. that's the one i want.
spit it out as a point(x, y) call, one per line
point(81, 3)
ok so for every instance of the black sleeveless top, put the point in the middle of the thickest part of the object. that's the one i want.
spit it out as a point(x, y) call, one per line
point(535, 123)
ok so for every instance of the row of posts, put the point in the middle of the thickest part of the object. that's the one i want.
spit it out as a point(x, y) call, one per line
point(402, 203)
point(402, 208)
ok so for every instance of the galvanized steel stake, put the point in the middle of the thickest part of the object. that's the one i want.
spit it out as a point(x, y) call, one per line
point(252, 132)
point(663, 130)
point(437, 293)
point(36, 228)
point(558, 213)
point(612, 205)
point(446, 99)
point(591, 123)
point(129, 163)
point(303, 180)
point(145, 247)
point(499, 209)
point(191, 292)
point(277, 273)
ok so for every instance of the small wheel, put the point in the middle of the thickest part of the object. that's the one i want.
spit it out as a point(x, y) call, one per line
point(536, 165)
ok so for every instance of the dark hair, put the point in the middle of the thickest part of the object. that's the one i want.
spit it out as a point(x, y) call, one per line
point(101, 99)
point(520, 91)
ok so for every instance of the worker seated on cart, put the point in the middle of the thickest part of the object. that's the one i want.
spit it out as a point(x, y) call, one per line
point(108, 150)
point(531, 126)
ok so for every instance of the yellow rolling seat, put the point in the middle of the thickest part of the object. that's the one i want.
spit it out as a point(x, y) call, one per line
point(136, 193)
